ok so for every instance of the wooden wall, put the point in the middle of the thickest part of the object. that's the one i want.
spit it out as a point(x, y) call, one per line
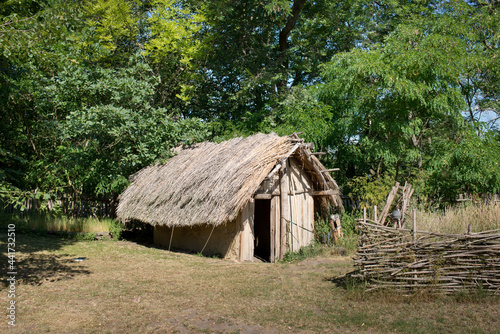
point(246, 236)
point(301, 228)
point(222, 241)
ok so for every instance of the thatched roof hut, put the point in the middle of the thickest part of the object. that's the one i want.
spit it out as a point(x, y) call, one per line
point(209, 185)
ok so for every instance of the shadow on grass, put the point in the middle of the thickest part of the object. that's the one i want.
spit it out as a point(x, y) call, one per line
point(346, 281)
point(35, 261)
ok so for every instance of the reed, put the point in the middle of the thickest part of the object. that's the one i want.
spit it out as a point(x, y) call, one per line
point(45, 222)
point(456, 219)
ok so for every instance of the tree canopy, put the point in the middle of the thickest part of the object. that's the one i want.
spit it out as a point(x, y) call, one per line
point(93, 90)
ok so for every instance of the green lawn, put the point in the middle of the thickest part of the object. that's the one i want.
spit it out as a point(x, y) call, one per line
point(124, 287)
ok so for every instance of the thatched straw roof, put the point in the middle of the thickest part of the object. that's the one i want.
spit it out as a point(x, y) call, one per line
point(210, 183)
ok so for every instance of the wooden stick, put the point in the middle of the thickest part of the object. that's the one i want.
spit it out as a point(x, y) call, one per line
point(388, 203)
point(171, 235)
point(414, 225)
point(330, 170)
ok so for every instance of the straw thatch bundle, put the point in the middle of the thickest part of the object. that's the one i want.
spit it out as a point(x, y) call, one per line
point(209, 183)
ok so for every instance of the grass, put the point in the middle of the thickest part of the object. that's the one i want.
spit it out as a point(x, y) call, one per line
point(455, 220)
point(51, 223)
point(131, 288)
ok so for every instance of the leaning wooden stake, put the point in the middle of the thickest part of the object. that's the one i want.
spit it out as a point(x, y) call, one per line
point(390, 199)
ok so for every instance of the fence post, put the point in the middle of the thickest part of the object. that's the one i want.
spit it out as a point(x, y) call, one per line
point(375, 218)
point(364, 215)
point(414, 225)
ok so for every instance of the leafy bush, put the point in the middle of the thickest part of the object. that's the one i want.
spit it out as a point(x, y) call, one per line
point(308, 251)
point(370, 190)
point(321, 228)
point(116, 229)
point(348, 220)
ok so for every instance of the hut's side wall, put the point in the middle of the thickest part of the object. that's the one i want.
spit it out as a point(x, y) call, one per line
point(301, 207)
point(246, 236)
point(223, 240)
point(302, 215)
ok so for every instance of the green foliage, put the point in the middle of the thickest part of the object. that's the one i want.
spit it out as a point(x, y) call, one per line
point(91, 236)
point(321, 229)
point(110, 23)
point(173, 28)
point(301, 111)
point(348, 221)
point(390, 101)
point(91, 91)
point(369, 190)
point(116, 229)
point(469, 164)
point(313, 249)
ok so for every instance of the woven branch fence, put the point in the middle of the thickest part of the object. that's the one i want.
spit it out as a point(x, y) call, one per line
point(407, 260)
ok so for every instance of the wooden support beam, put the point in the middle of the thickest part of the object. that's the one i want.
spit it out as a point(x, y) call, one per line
point(272, 221)
point(263, 196)
point(330, 192)
point(310, 146)
point(330, 170)
point(284, 209)
point(309, 157)
point(276, 192)
point(390, 199)
point(271, 174)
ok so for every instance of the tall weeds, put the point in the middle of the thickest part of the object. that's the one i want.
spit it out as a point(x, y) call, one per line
point(49, 223)
point(455, 220)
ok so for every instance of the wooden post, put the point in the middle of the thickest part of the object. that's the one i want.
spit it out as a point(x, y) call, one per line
point(364, 215)
point(272, 221)
point(375, 218)
point(414, 225)
point(284, 207)
point(415, 281)
point(171, 236)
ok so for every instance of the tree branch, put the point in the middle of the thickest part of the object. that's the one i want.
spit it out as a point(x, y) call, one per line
point(292, 20)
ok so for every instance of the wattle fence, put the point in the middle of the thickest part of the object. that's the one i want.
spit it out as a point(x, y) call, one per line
point(407, 259)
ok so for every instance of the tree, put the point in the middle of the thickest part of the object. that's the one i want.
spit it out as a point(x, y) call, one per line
point(253, 53)
point(391, 99)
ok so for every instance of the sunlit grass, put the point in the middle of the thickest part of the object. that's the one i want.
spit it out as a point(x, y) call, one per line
point(50, 223)
point(456, 220)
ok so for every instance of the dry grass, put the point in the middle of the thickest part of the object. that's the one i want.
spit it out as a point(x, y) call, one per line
point(124, 287)
point(455, 220)
point(47, 222)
